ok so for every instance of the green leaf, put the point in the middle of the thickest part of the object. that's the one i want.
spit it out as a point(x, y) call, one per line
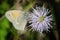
point(4, 23)
point(3, 34)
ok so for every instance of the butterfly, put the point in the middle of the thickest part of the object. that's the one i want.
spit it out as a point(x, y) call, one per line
point(18, 18)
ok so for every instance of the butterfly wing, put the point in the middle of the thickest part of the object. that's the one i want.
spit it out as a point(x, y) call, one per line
point(20, 22)
point(17, 18)
point(12, 14)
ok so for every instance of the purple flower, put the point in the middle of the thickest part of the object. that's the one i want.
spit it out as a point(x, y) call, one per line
point(39, 19)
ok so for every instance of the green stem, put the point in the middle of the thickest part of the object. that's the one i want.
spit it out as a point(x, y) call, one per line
point(29, 6)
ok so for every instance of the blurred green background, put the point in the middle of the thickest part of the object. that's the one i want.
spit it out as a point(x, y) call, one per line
point(7, 31)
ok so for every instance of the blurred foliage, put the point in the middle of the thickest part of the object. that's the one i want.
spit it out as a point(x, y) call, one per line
point(3, 7)
point(29, 6)
point(4, 24)
point(7, 31)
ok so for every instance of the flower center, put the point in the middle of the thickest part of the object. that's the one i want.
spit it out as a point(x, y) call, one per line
point(41, 18)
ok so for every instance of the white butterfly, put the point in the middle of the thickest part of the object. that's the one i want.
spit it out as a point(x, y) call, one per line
point(18, 18)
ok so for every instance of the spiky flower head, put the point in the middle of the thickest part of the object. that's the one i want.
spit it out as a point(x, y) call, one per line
point(39, 19)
